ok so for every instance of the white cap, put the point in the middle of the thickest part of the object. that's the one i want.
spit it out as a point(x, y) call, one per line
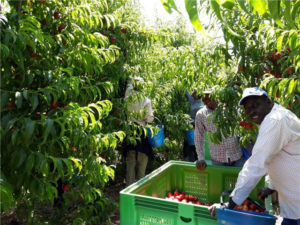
point(253, 91)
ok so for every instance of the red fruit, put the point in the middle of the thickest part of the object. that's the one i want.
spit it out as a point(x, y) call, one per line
point(252, 207)
point(11, 105)
point(186, 197)
point(179, 197)
point(117, 114)
point(289, 70)
point(184, 201)
point(245, 208)
point(273, 56)
point(246, 203)
point(38, 114)
point(33, 55)
point(191, 198)
point(209, 204)
point(54, 105)
point(73, 148)
point(257, 77)
point(195, 199)
point(256, 210)
point(56, 15)
point(277, 95)
point(60, 28)
point(43, 1)
point(278, 55)
point(278, 75)
point(65, 187)
point(243, 123)
point(183, 193)
point(105, 34)
point(276, 50)
point(241, 69)
point(44, 22)
point(169, 195)
point(198, 203)
point(176, 193)
point(249, 126)
point(289, 49)
point(118, 122)
point(64, 42)
point(124, 30)
point(282, 51)
point(113, 39)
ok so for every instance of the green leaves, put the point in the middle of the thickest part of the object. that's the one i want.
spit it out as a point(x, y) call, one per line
point(274, 7)
point(169, 5)
point(192, 10)
point(260, 6)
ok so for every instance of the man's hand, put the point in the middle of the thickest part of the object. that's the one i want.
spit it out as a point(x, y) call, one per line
point(262, 193)
point(201, 165)
point(213, 209)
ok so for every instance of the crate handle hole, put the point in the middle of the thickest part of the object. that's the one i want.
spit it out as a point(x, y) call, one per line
point(186, 220)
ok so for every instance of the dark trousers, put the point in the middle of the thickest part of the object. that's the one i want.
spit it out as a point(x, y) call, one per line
point(290, 222)
point(189, 152)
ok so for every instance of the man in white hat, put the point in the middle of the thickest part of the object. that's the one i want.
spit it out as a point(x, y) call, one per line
point(139, 111)
point(276, 152)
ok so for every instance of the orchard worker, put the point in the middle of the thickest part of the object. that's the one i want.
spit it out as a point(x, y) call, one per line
point(228, 152)
point(276, 152)
point(189, 151)
point(139, 111)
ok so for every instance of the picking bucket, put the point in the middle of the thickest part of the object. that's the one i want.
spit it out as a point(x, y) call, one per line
point(236, 217)
point(190, 137)
point(158, 139)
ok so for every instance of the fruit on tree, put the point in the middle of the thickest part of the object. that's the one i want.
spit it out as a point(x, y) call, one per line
point(60, 28)
point(73, 148)
point(289, 70)
point(56, 15)
point(11, 105)
point(113, 39)
point(249, 126)
point(65, 187)
point(243, 123)
point(54, 105)
point(44, 22)
point(33, 55)
point(124, 30)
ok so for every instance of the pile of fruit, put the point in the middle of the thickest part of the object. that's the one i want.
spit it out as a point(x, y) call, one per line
point(184, 198)
point(249, 206)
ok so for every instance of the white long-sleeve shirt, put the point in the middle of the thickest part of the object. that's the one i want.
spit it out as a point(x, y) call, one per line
point(276, 152)
point(139, 106)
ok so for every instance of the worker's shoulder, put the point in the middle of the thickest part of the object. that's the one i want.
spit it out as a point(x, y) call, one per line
point(279, 113)
point(202, 111)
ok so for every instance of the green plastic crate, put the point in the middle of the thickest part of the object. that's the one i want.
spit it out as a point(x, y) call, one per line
point(144, 203)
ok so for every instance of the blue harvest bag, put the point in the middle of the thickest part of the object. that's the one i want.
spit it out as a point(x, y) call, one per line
point(158, 139)
point(190, 137)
